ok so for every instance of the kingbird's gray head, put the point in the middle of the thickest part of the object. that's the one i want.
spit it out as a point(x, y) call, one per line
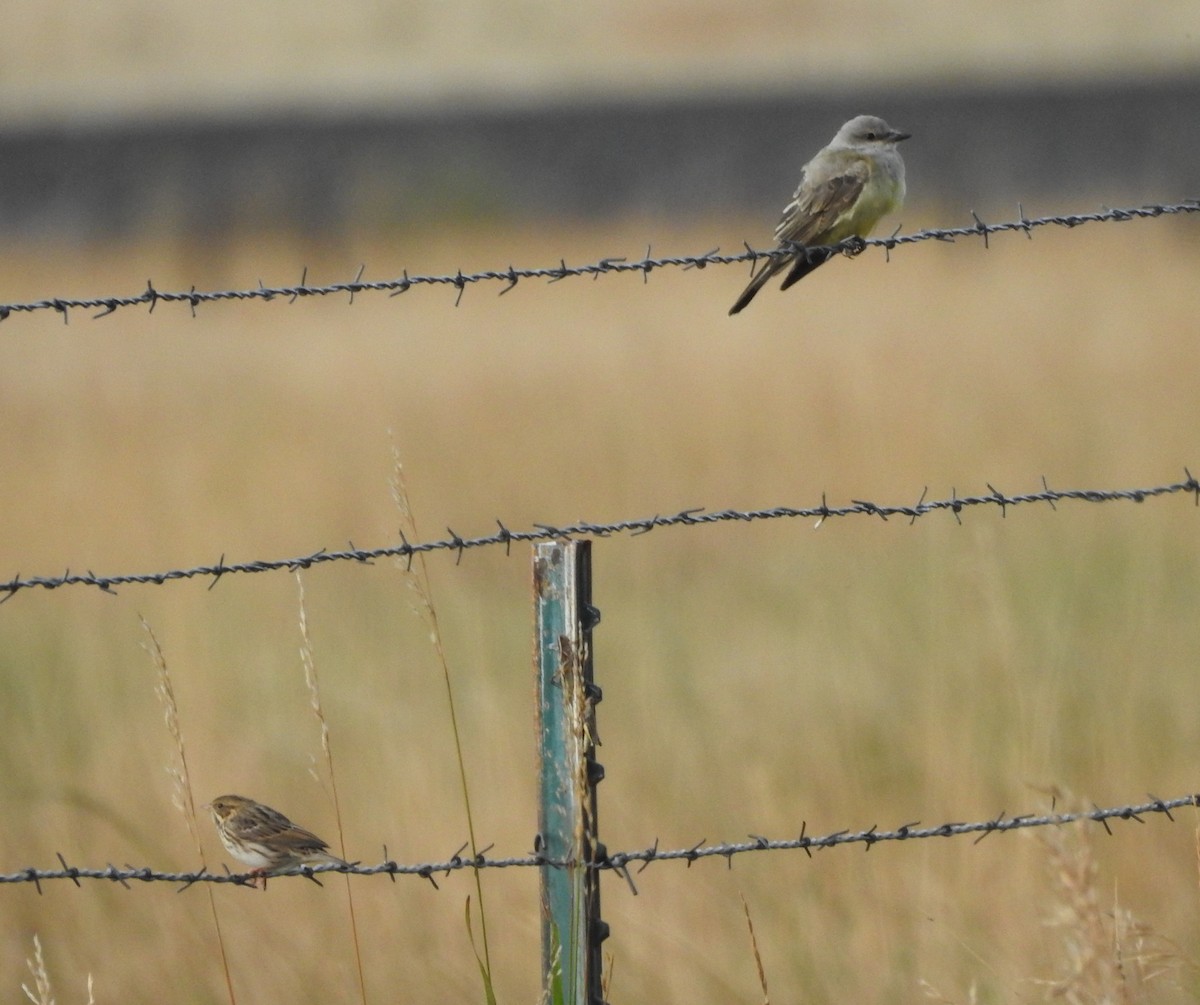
point(867, 132)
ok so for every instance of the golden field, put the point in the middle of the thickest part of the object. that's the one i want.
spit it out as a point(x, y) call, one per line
point(757, 677)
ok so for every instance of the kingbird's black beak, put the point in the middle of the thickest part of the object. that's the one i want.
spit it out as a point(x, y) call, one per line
point(896, 137)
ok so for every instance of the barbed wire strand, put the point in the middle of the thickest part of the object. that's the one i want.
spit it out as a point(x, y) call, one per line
point(546, 532)
point(152, 297)
point(619, 862)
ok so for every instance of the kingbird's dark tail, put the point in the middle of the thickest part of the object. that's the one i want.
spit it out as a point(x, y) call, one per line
point(803, 265)
point(757, 283)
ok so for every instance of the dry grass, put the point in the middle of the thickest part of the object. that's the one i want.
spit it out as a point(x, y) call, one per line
point(42, 992)
point(1107, 953)
point(755, 676)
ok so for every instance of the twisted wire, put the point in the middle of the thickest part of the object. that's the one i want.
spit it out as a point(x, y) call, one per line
point(509, 277)
point(619, 862)
point(695, 517)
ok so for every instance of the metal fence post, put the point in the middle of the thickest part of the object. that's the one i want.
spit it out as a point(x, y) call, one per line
point(567, 826)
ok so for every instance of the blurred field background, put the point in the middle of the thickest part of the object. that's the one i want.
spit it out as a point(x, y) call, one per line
point(756, 677)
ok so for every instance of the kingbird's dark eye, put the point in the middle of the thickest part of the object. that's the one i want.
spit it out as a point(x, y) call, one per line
point(871, 136)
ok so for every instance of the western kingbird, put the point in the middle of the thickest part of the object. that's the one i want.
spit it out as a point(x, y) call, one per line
point(844, 191)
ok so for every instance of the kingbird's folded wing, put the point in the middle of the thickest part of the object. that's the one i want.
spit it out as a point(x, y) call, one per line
point(825, 193)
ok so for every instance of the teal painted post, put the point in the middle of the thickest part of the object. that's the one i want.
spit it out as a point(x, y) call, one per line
point(570, 892)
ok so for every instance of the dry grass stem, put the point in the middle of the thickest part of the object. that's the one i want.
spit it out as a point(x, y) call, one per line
point(307, 658)
point(41, 993)
point(758, 963)
point(418, 581)
point(183, 796)
point(181, 793)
